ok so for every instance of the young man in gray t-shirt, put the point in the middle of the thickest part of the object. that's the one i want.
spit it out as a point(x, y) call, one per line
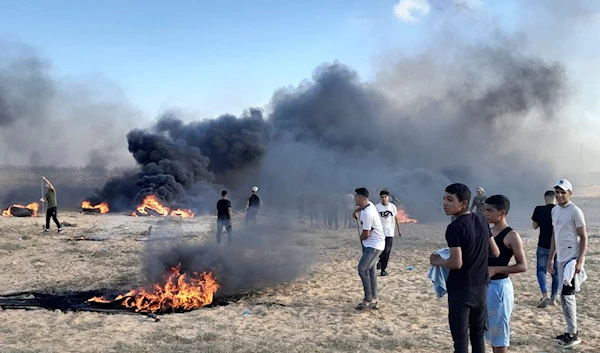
point(569, 243)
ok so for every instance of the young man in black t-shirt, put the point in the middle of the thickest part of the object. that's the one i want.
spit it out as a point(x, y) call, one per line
point(224, 215)
point(470, 241)
point(542, 219)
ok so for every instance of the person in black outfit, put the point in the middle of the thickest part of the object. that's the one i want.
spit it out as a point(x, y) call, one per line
point(542, 219)
point(253, 206)
point(470, 241)
point(224, 216)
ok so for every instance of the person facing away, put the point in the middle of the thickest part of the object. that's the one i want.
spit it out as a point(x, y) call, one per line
point(542, 219)
point(387, 212)
point(569, 243)
point(224, 217)
point(373, 243)
point(348, 201)
point(50, 198)
point(253, 204)
point(478, 201)
point(501, 294)
point(471, 243)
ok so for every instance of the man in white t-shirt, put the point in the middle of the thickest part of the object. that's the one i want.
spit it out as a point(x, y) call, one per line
point(387, 212)
point(373, 243)
point(569, 243)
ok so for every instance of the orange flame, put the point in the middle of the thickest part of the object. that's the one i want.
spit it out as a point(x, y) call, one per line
point(182, 213)
point(103, 206)
point(34, 206)
point(403, 217)
point(151, 202)
point(179, 292)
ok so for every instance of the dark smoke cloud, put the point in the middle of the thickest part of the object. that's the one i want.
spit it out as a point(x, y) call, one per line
point(258, 258)
point(474, 108)
point(178, 161)
point(58, 121)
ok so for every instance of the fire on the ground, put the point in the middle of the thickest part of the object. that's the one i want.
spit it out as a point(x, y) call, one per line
point(152, 203)
point(33, 207)
point(179, 292)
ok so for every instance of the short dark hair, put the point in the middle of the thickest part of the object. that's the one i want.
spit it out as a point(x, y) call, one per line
point(362, 192)
point(461, 191)
point(549, 193)
point(384, 192)
point(223, 192)
point(499, 202)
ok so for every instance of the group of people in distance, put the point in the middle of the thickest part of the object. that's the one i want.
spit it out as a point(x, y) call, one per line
point(225, 213)
point(480, 292)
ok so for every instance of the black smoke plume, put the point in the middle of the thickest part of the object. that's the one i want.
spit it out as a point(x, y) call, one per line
point(178, 161)
point(258, 258)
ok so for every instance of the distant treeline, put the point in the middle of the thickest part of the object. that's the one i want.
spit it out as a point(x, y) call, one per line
point(92, 176)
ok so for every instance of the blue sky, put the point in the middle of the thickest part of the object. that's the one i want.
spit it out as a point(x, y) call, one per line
point(209, 57)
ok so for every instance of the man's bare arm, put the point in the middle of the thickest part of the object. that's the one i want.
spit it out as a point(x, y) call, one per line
point(494, 250)
point(535, 224)
point(454, 262)
point(365, 234)
point(581, 231)
point(50, 186)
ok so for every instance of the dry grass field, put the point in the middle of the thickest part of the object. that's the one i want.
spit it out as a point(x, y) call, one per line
point(316, 312)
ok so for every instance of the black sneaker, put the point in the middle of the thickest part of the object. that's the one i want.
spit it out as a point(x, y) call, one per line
point(379, 265)
point(45, 231)
point(60, 230)
point(384, 273)
point(560, 338)
point(569, 341)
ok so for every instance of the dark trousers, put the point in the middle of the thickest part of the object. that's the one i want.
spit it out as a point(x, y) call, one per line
point(467, 316)
point(348, 218)
point(314, 217)
point(251, 214)
point(51, 213)
point(332, 217)
point(385, 255)
point(222, 222)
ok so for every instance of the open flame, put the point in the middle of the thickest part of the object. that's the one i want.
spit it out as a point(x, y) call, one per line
point(34, 206)
point(180, 292)
point(151, 202)
point(403, 217)
point(103, 206)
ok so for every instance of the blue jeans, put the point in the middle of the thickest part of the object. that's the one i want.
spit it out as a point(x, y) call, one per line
point(367, 272)
point(542, 256)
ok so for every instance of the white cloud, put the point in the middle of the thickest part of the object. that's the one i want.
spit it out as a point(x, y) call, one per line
point(405, 9)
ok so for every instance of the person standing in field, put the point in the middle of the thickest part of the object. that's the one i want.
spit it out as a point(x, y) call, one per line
point(373, 243)
point(471, 243)
point(253, 204)
point(224, 217)
point(569, 244)
point(501, 295)
point(50, 198)
point(387, 212)
point(348, 201)
point(478, 202)
point(542, 219)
